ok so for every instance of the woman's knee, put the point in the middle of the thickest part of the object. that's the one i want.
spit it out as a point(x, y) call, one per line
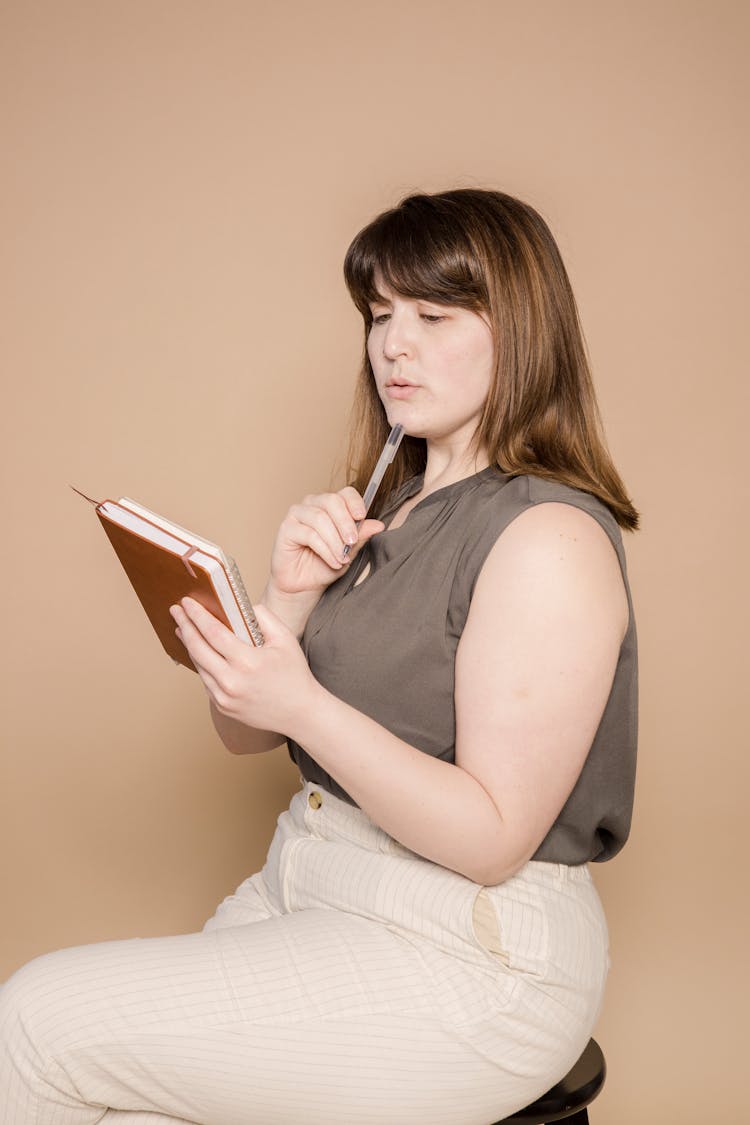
point(29, 998)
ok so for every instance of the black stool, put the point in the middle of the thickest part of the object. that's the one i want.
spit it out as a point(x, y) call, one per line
point(567, 1100)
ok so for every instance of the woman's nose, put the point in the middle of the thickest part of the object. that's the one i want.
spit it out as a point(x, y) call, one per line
point(397, 340)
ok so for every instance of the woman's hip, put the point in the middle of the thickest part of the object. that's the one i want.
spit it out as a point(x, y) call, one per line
point(545, 924)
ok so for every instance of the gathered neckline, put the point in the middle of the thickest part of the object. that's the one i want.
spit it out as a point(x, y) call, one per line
point(390, 542)
point(447, 492)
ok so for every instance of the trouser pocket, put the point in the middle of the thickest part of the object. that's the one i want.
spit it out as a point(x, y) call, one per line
point(486, 929)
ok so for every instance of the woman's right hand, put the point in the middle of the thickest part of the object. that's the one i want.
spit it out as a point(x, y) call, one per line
point(308, 554)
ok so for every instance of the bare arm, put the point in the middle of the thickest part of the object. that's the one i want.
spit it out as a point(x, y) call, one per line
point(239, 738)
point(533, 672)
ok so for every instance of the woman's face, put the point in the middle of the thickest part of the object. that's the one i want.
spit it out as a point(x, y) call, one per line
point(433, 366)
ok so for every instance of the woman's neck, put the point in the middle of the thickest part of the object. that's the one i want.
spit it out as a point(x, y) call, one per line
point(446, 465)
point(439, 473)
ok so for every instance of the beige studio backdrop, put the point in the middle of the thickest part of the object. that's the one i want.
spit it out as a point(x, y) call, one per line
point(180, 182)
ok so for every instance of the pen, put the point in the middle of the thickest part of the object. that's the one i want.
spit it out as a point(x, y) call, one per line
point(384, 460)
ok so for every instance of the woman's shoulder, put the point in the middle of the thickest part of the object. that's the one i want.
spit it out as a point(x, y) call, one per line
point(527, 525)
point(549, 508)
point(502, 497)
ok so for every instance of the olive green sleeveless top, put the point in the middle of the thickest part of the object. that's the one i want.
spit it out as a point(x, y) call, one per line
point(387, 645)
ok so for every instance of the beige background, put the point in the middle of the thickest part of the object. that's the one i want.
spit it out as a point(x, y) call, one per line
point(180, 181)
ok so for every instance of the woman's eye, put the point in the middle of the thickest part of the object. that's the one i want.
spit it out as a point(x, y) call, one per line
point(380, 318)
point(432, 318)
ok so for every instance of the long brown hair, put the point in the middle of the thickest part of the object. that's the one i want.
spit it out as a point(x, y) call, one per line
point(491, 253)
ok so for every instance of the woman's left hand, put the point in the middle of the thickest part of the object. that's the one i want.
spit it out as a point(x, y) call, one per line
point(268, 688)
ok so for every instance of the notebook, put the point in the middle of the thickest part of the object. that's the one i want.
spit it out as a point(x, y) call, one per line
point(165, 563)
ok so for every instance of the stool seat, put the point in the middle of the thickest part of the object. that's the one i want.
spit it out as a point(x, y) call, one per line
point(567, 1100)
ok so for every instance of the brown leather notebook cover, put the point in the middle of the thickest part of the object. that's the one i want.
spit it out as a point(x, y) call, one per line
point(165, 563)
point(160, 579)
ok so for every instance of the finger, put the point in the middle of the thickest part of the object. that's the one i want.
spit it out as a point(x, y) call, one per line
point(218, 635)
point(200, 650)
point(221, 686)
point(354, 502)
point(315, 531)
point(345, 509)
point(219, 676)
point(212, 687)
point(209, 683)
point(272, 626)
point(366, 530)
point(329, 516)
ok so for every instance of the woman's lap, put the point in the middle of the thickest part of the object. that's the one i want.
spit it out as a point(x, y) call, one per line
point(314, 1016)
point(345, 983)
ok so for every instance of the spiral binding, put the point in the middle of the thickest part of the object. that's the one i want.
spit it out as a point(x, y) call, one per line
point(243, 601)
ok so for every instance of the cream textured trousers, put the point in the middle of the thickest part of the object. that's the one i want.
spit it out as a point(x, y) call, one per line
point(349, 983)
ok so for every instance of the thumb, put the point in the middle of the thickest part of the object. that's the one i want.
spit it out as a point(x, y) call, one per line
point(368, 528)
point(271, 626)
point(365, 532)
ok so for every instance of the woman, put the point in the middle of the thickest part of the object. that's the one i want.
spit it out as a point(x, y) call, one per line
point(424, 942)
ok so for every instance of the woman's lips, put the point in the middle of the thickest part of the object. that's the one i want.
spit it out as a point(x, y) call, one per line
point(401, 390)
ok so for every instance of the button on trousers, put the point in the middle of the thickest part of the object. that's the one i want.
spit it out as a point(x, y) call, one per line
point(350, 982)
